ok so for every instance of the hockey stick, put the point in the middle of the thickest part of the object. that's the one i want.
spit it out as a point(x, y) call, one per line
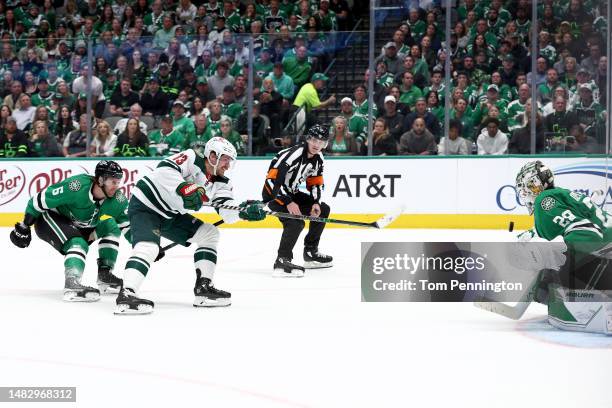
point(380, 223)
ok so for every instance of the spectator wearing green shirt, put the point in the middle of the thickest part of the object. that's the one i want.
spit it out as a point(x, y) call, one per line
point(167, 140)
point(201, 134)
point(298, 67)
point(165, 33)
point(283, 83)
point(229, 106)
point(308, 99)
point(227, 132)
point(181, 123)
point(361, 102)
point(545, 91)
point(43, 97)
point(264, 65)
point(214, 117)
point(409, 92)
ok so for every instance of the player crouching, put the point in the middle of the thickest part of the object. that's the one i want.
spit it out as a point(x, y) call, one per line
point(579, 298)
point(159, 208)
point(287, 171)
point(69, 216)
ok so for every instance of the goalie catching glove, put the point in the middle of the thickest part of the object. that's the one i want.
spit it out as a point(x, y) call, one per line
point(252, 210)
point(21, 236)
point(193, 195)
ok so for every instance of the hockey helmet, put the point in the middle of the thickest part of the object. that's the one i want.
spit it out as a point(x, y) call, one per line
point(533, 178)
point(221, 147)
point(318, 132)
point(318, 135)
point(108, 168)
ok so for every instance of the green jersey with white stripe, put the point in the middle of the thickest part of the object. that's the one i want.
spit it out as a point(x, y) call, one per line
point(571, 215)
point(157, 190)
point(73, 199)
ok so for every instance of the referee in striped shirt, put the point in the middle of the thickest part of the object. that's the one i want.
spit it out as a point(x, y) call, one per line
point(288, 170)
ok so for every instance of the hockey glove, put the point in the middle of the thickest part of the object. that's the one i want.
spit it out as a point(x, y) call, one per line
point(252, 210)
point(21, 235)
point(527, 236)
point(193, 195)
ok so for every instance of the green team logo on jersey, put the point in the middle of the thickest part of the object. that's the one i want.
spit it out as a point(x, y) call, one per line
point(548, 203)
point(75, 185)
point(120, 197)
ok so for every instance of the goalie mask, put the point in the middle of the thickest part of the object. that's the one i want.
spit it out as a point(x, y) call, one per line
point(221, 147)
point(533, 178)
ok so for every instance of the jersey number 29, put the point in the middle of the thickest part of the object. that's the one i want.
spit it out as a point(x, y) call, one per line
point(564, 219)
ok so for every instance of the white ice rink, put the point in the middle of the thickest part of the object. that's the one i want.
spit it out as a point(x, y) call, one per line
point(305, 342)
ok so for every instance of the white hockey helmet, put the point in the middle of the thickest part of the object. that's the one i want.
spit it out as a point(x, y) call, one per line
point(220, 146)
point(533, 178)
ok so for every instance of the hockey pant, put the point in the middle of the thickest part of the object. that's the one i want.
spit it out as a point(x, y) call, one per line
point(147, 228)
point(292, 228)
point(73, 242)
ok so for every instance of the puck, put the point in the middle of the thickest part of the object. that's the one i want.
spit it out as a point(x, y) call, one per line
point(511, 226)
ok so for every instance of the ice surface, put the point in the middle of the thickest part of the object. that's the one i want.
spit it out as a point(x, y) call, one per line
point(284, 342)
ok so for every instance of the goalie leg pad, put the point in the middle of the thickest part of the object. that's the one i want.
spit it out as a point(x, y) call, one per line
point(567, 312)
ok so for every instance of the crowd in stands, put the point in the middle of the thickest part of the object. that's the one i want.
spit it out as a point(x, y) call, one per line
point(157, 76)
point(490, 94)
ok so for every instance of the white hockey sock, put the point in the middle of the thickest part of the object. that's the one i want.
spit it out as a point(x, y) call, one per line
point(205, 259)
point(137, 266)
point(132, 279)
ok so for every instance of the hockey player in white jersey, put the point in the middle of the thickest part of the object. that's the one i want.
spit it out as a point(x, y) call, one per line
point(160, 206)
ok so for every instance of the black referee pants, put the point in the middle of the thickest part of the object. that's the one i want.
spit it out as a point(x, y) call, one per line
point(293, 228)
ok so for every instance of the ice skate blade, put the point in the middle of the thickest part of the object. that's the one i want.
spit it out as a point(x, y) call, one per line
point(71, 296)
point(107, 289)
point(317, 265)
point(280, 273)
point(123, 309)
point(201, 301)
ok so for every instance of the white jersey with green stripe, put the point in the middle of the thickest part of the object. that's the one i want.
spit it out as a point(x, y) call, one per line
point(158, 189)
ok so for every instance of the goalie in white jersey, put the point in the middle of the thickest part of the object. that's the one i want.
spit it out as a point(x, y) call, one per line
point(160, 206)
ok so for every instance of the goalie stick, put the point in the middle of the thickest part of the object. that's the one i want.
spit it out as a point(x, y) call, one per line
point(512, 312)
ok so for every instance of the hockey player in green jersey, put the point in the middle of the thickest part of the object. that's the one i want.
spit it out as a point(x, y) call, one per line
point(559, 212)
point(72, 214)
point(160, 206)
point(578, 296)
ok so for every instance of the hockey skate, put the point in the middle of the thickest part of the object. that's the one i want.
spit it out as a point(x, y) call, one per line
point(129, 303)
point(74, 291)
point(283, 268)
point(313, 259)
point(206, 295)
point(107, 282)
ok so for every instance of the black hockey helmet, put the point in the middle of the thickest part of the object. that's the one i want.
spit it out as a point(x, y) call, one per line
point(108, 168)
point(318, 132)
